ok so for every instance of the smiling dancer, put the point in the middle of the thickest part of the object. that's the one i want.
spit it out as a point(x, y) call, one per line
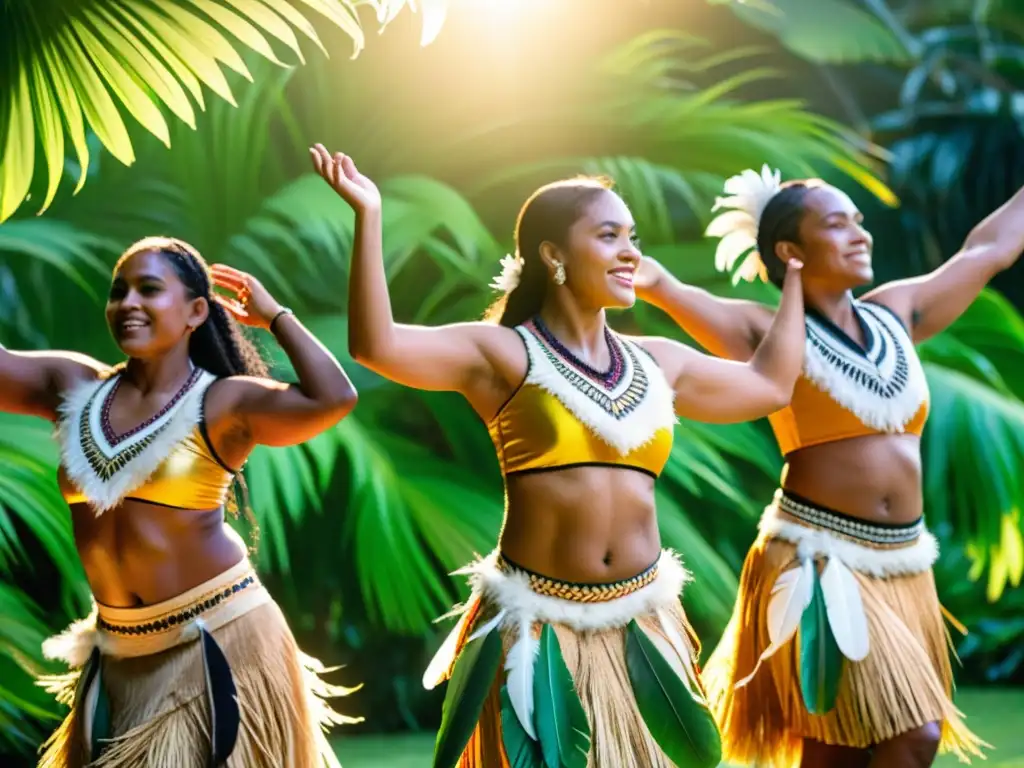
point(575, 618)
point(185, 659)
point(843, 553)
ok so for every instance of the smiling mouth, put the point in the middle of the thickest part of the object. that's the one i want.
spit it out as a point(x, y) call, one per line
point(624, 276)
point(128, 326)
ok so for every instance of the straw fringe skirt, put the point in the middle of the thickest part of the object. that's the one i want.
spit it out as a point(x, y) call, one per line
point(903, 682)
point(157, 675)
point(592, 638)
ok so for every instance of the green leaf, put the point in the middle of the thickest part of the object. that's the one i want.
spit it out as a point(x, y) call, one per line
point(826, 31)
point(681, 724)
point(821, 661)
point(558, 716)
point(472, 679)
point(521, 750)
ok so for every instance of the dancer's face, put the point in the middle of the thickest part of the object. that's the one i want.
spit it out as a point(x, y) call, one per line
point(149, 310)
point(601, 254)
point(834, 245)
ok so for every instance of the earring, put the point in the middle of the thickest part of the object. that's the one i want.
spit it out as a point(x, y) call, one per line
point(559, 273)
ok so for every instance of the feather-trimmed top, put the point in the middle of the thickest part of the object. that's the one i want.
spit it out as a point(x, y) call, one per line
point(850, 391)
point(566, 414)
point(167, 460)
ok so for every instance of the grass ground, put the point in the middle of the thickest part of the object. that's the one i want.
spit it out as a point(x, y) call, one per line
point(998, 717)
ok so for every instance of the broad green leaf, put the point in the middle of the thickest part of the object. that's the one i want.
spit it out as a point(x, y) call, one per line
point(821, 662)
point(680, 723)
point(521, 750)
point(474, 675)
point(558, 715)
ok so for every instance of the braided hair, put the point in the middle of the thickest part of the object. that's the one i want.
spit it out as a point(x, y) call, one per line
point(218, 345)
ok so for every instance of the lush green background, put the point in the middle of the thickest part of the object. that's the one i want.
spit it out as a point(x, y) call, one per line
point(911, 101)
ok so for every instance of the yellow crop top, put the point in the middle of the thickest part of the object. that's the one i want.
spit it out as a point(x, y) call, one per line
point(168, 460)
point(565, 414)
point(852, 391)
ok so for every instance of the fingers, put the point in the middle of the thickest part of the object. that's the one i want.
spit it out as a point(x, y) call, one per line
point(349, 167)
point(794, 264)
point(232, 306)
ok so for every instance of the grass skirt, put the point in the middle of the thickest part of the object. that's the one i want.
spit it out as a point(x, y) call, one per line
point(153, 674)
point(590, 624)
point(904, 681)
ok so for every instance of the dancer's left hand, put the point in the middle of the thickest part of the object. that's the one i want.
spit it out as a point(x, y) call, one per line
point(251, 304)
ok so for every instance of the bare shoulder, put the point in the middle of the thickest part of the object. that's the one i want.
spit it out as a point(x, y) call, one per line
point(69, 369)
point(897, 297)
point(669, 355)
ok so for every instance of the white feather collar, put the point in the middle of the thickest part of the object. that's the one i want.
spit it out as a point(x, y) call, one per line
point(885, 385)
point(106, 473)
point(626, 416)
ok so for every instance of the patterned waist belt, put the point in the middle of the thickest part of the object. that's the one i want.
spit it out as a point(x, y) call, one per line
point(577, 592)
point(878, 534)
point(155, 628)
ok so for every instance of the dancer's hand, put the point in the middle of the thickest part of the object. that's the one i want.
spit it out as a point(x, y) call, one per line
point(648, 276)
point(341, 173)
point(251, 304)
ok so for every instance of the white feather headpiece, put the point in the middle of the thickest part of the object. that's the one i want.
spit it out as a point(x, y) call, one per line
point(748, 195)
point(511, 272)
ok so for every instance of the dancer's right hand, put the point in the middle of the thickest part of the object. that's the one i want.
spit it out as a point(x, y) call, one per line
point(341, 173)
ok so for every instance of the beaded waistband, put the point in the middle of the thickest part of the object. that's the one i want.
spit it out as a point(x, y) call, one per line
point(577, 592)
point(877, 534)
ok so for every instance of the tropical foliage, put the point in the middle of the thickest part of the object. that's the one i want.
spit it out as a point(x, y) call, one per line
point(376, 512)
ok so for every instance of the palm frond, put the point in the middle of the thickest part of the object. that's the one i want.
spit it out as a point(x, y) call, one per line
point(73, 67)
point(825, 31)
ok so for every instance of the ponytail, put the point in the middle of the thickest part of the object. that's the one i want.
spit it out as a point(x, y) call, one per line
point(546, 216)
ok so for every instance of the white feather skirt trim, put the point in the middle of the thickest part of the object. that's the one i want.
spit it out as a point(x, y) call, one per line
point(511, 593)
point(878, 562)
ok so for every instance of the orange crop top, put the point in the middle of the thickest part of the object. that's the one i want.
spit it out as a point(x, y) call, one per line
point(851, 391)
point(168, 460)
point(566, 414)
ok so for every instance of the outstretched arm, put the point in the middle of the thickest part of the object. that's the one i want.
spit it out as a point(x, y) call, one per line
point(269, 412)
point(729, 328)
point(722, 391)
point(931, 303)
point(32, 383)
point(463, 357)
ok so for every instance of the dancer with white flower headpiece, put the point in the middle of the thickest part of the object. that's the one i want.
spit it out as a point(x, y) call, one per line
point(836, 650)
point(573, 649)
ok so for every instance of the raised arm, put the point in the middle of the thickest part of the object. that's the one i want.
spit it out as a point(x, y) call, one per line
point(260, 411)
point(730, 328)
point(32, 383)
point(475, 359)
point(724, 391)
point(931, 303)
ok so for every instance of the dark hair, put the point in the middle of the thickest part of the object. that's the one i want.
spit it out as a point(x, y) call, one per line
point(780, 223)
point(217, 345)
point(546, 216)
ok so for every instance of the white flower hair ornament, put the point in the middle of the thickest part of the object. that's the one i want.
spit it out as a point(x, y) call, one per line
point(511, 272)
point(748, 195)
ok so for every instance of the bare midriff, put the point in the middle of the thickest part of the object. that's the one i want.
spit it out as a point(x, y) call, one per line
point(590, 525)
point(875, 477)
point(140, 554)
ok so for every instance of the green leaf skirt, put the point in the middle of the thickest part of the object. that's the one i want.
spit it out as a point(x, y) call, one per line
point(837, 636)
point(602, 676)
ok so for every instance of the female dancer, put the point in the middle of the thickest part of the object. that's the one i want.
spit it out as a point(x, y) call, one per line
point(185, 659)
point(579, 603)
point(851, 500)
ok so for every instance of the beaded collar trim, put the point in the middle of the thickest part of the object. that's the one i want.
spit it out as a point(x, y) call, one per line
point(107, 467)
point(883, 384)
point(624, 406)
